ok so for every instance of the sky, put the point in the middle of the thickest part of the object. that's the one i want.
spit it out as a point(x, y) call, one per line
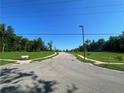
point(31, 18)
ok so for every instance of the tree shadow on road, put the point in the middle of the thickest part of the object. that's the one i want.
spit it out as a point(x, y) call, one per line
point(13, 80)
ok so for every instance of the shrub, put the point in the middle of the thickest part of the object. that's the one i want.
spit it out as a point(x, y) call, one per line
point(88, 54)
point(119, 58)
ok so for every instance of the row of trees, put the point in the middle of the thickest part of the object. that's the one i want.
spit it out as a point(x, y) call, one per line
point(114, 44)
point(9, 41)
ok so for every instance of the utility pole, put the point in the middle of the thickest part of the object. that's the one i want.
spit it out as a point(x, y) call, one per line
point(82, 30)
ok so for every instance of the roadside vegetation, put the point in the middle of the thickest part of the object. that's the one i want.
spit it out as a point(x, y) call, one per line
point(5, 62)
point(113, 44)
point(113, 66)
point(109, 57)
point(113, 58)
point(13, 46)
point(107, 64)
point(80, 59)
point(17, 55)
point(10, 42)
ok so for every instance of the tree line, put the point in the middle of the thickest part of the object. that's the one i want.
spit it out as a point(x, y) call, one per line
point(9, 41)
point(114, 44)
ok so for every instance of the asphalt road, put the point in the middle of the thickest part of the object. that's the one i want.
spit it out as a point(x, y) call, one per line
point(61, 74)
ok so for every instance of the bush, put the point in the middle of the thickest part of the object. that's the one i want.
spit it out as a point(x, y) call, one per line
point(88, 54)
point(119, 58)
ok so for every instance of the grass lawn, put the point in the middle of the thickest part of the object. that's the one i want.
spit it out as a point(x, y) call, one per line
point(113, 66)
point(5, 62)
point(105, 56)
point(81, 59)
point(17, 55)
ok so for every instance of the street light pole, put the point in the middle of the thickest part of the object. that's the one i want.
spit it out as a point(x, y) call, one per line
point(82, 30)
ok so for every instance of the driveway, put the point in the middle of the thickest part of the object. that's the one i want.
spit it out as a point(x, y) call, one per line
point(61, 74)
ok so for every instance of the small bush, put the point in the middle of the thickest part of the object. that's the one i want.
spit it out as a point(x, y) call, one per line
point(88, 54)
point(119, 58)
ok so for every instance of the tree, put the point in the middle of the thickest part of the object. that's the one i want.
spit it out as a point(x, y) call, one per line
point(2, 40)
point(101, 44)
point(87, 45)
point(10, 39)
point(50, 45)
point(24, 42)
point(39, 44)
point(114, 44)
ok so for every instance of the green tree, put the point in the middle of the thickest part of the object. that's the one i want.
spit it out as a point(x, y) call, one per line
point(10, 39)
point(114, 44)
point(101, 44)
point(38, 45)
point(24, 44)
point(2, 37)
point(50, 45)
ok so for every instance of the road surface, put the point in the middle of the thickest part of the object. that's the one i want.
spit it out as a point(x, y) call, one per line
point(61, 74)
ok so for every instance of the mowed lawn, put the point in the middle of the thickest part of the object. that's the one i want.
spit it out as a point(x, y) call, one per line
point(105, 56)
point(113, 66)
point(108, 57)
point(17, 55)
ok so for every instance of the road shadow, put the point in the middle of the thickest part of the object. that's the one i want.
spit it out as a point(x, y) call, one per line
point(11, 78)
point(12, 81)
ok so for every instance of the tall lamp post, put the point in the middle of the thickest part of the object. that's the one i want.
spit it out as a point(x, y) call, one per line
point(82, 30)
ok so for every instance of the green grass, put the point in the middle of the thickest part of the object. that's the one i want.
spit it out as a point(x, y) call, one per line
point(113, 66)
point(5, 62)
point(97, 54)
point(105, 56)
point(45, 58)
point(17, 55)
point(81, 59)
